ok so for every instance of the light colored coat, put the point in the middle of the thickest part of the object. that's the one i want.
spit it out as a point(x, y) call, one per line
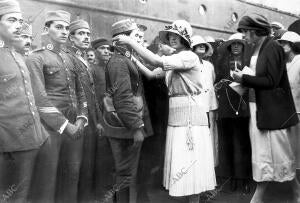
point(293, 70)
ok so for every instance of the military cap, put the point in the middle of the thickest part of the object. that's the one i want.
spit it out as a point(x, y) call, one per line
point(100, 42)
point(26, 29)
point(9, 6)
point(123, 26)
point(58, 15)
point(78, 24)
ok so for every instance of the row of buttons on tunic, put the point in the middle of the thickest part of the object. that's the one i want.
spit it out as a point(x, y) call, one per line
point(26, 85)
point(71, 90)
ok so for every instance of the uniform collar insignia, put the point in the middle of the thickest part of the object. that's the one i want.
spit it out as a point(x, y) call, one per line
point(123, 51)
point(127, 54)
point(50, 47)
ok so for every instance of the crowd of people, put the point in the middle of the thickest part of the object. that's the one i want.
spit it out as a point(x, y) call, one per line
point(105, 120)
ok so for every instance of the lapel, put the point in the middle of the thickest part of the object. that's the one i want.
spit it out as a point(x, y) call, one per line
point(79, 54)
point(82, 60)
point(260, 63)
point(267, 40)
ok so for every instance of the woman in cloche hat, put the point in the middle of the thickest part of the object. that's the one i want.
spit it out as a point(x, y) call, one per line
point(233, 114)
point(189, 162)
point(272, 108)
point(290, 41)
point(203, 49)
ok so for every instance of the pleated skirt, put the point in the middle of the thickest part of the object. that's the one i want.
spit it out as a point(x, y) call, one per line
point(188, 172)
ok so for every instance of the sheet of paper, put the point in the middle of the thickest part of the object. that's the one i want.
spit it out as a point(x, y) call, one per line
point(248, 71)
point(233, 84)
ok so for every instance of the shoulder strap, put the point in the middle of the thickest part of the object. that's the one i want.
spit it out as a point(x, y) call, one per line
point(125, 53)
point(107, 78)
point(190, 85)
point(38, 49)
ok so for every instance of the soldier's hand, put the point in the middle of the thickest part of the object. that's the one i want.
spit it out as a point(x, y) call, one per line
point(80, 124)
point(138, 137)
point(100, 129)
point(72, 131)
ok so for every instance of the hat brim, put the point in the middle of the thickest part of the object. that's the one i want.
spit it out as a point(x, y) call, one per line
point(210, 50)
point(99, 44)
point(164, 33)
point(295, 27)
point(284, 40)
point(245, 27)
point(208, 47)
point(228, 43)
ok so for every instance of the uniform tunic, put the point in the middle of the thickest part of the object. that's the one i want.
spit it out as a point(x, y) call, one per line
point(86, 181)
point(124, 84)
point(54, 67)
point(99, 79)
point(20, 126)
point(21, 133)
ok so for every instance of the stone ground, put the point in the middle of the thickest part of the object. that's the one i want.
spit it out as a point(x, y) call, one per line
point(276, 193)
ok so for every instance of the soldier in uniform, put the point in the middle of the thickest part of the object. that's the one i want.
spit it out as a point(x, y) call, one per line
point(21, 133)
point(55, 69)
point(80, 40)
point(126, 130)
point(102, 47)
point(23, 45)
point(104, 164)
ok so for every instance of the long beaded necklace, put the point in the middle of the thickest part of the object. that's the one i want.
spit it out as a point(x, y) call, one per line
point(238, 108)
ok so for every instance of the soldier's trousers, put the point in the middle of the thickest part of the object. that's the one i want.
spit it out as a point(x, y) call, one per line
point(105, 169)
point(69, 170)
point(57, 169)
point(15, 175)
point(126, 159)
point(87, 171)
